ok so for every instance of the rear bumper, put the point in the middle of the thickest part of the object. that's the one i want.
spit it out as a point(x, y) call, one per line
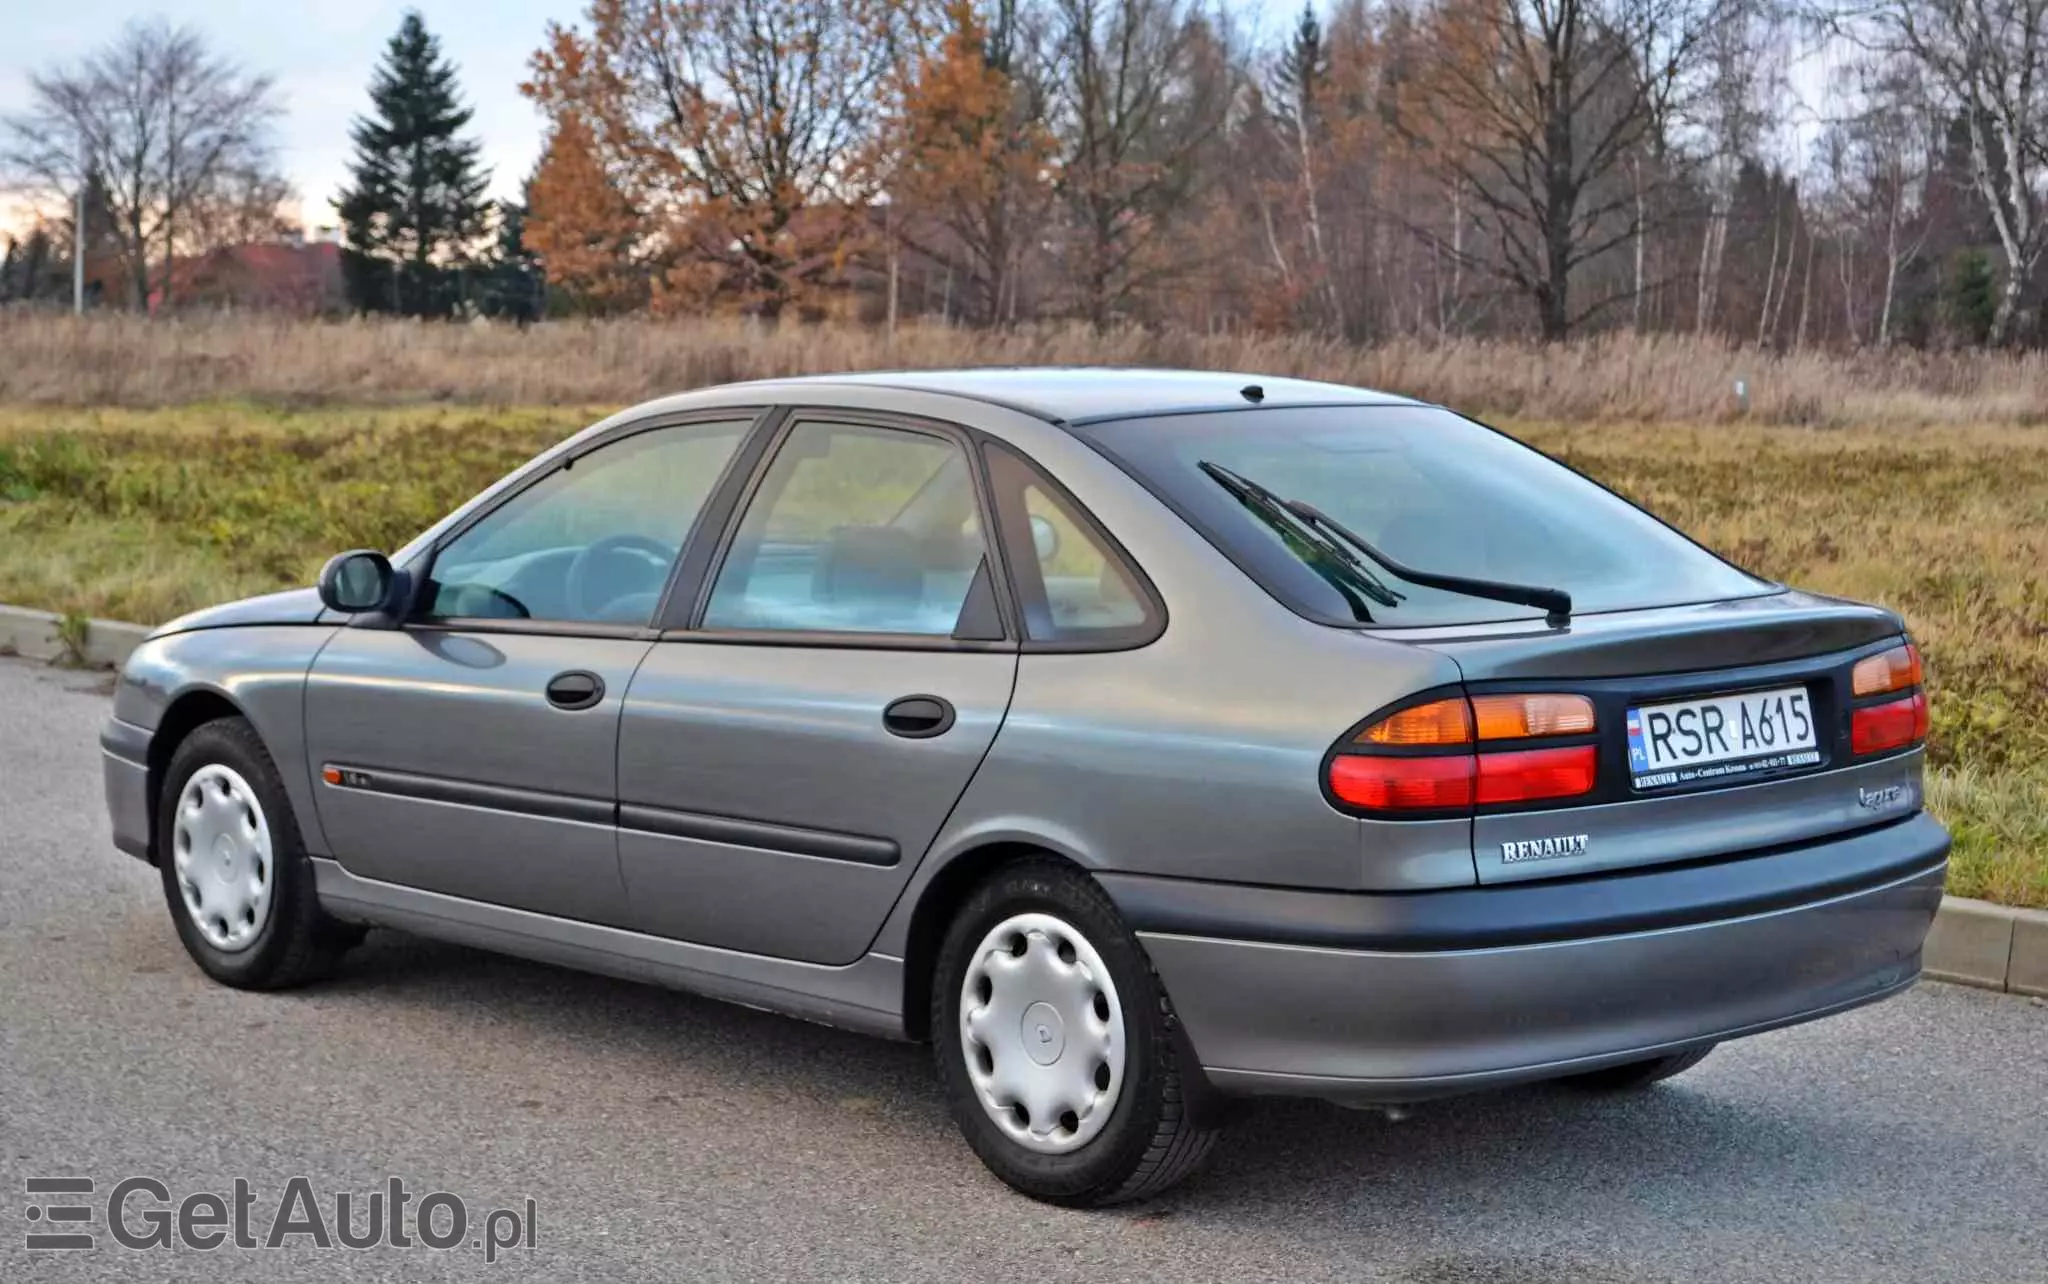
point(1394, 998)
point(124, 766)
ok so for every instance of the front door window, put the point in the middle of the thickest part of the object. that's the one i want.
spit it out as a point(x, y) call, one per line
point(592, 542)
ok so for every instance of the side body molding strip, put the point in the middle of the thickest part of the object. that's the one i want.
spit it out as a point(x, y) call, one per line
point(824, 844)
point(864, 996)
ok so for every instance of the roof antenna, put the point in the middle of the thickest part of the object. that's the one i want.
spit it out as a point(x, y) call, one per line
point(1253, 393)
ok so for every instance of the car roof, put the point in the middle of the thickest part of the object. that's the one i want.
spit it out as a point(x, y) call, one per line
point(1081, 394)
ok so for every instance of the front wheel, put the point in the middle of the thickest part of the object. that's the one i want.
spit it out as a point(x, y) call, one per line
point(236, 877)
point(1058, 1047)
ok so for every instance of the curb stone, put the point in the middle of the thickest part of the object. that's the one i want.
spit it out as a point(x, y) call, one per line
point(40, 635)
point(1994, 947)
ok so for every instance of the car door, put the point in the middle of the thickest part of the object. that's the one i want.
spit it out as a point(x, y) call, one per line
point(787, 754)
point(473, 749)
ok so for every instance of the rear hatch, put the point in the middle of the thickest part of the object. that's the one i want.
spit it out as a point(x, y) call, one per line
point(1719, 729)
point(1626, 697)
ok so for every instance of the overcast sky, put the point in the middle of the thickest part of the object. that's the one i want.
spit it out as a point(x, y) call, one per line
point(321, 53)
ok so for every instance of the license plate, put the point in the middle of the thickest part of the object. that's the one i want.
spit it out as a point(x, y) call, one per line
point(1718, 737)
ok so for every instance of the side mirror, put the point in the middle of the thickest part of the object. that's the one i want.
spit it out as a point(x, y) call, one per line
point(356, 581)
point(1045, 538)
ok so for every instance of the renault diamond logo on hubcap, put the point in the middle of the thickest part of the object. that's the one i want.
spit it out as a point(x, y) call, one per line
point(1045, 1033)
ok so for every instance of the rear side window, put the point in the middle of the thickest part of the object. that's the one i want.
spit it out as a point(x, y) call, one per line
point(1075, 586)
point(1429, 489)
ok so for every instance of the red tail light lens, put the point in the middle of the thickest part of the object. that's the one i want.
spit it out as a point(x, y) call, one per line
point(1432, 783)
point(1891, 725)
point(1529, 774)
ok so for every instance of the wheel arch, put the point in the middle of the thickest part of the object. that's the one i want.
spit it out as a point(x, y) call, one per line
point(941, 897)
point(186, 713)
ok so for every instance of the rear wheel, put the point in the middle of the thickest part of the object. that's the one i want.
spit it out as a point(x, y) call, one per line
point(1639, 1074)
point(236, 877)
point(1058, 1047)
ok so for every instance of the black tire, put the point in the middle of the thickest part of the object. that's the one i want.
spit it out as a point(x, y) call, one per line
point(1639, 1074)
point(1166, 1118)
point(298, 942)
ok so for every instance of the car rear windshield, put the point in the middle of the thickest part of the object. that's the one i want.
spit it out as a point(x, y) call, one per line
point(1428, 488)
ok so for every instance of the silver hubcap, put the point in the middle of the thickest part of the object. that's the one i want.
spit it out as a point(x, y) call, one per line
point(221, 845)
point(1043, 1033)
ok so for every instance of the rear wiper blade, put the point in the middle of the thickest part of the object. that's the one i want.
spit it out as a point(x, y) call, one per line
point(1358, 578)
point(1556, 603)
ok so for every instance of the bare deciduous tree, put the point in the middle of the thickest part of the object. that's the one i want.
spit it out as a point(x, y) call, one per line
point(169, 129)
point(1536, 108)
point(1142, 86)
point(1988, 60)
point(1741, 88)
point(1888, 146)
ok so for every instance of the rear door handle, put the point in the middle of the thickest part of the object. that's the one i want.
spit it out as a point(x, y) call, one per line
point(918, 717)
point(576, 689)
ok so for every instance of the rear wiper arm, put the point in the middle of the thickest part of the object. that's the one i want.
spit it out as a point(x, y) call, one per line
point(1275, 510)
point(1556, 603)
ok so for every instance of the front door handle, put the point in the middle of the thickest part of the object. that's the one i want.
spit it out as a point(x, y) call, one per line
point(576, 689)
point(918, 717)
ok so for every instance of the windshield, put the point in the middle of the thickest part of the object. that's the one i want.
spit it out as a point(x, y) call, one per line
point(1430, 489)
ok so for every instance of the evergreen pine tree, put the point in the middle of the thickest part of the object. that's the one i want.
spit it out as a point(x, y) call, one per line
point(1973, 296)
point(1302, 74)
point(415, 207)
point(514, 287)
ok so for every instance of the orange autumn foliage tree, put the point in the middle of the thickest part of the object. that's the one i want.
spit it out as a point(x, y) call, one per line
point(581, 225)
point(743, 131)
point(972, 151)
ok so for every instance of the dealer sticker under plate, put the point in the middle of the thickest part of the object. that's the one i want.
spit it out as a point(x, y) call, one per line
point(1719, 737)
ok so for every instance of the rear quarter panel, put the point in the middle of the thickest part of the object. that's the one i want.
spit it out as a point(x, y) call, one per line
point(1199, 755)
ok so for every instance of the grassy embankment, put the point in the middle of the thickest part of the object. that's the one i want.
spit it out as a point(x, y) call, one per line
point(121, 497)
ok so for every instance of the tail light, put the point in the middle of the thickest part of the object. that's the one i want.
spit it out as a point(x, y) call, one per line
point(1529, 775)
point(1457, 753)
point(1895, 670)
point(1895, 723)
point(1404, 784)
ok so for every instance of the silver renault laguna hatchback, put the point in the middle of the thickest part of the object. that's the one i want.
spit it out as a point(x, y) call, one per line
point(1142, 740)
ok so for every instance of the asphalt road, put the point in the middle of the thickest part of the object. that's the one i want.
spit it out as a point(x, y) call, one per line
point(666, 1137)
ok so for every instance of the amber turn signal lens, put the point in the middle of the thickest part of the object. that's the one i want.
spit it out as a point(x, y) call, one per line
point(1892, 670)
point(1440, 722)
point(332, 775)
point(1518, 717)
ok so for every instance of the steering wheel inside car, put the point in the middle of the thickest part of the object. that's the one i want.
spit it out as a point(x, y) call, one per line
point(584, 580)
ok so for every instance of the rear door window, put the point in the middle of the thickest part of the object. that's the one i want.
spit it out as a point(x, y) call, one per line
point(1429, 489)
point(854, 529)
